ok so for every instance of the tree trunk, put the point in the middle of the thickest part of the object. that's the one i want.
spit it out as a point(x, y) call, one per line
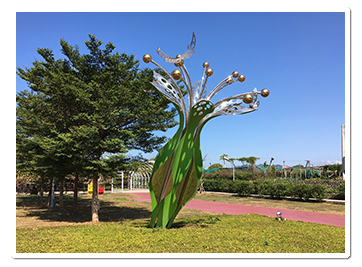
point(50, 194)
point(42, 193)
point(75, 197)
point(95, 200)
point(61, 203)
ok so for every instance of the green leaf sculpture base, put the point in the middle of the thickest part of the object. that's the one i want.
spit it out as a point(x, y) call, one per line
point(177, 170)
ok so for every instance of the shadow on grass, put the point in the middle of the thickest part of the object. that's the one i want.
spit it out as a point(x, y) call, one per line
point(109, 211)
point(192, 222)
point(198, 222)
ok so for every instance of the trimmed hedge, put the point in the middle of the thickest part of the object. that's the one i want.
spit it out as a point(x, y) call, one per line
point(274, 190)
point(329, 184)
point(340, 192)
point(244, 188)
point(307, 191)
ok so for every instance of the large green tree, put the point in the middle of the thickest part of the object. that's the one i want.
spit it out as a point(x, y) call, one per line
point(89, 105)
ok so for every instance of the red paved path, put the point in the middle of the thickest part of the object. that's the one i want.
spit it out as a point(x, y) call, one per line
point(228, 208)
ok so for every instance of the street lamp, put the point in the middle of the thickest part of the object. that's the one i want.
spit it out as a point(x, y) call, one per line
point(178, 166)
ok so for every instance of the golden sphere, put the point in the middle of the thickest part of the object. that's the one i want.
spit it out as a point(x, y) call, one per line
point(241, 78)
point(264, 92)
point(248, 98)
point(235, 74)
point(209, 72)
point(179, 64)
point(176, 74)
point(147, 58)
point(206, 64)
point(229, 80)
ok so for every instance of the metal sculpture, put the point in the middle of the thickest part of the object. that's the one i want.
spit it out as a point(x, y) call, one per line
point(178, 166)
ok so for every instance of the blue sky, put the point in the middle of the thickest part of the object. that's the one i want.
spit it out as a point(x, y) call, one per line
point(299, 57)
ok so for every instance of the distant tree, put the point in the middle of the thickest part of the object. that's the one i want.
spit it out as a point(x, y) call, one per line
point(273, 171)
point(242, 160)
point(222, 157)
point(252, 160)
point(333, 167)
point(215, 165)
point(115, 163)
point(92, 104)
point(332, 170)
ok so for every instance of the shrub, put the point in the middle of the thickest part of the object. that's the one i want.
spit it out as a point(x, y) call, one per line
point(224, 174)
point(340, 192)
point(319, 191)
point(256, 185)
point(224, 185)
point(217, 185)
point(244, 188)
point(278, 190)
point(243, 175)
point(293, 190)
point(232, 186)
point(219, 174)
point(256, 175)
point(330, 192)
point(262, 187)
point(210, 184)
point(302, 191)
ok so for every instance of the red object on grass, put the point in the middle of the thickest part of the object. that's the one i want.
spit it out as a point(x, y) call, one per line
point(100, 190)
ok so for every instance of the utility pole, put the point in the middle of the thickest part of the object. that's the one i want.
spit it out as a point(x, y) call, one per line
point(343, 154)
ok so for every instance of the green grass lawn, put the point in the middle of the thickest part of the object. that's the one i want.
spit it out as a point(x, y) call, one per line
point(249, 233)
point(43, 230)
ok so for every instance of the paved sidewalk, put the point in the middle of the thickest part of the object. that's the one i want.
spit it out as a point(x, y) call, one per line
point(229, 208)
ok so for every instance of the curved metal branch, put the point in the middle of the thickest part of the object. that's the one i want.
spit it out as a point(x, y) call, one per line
point(189, 52)
point(189, 93)
point(220, 86)
point(188, 85)
point(202, 82)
